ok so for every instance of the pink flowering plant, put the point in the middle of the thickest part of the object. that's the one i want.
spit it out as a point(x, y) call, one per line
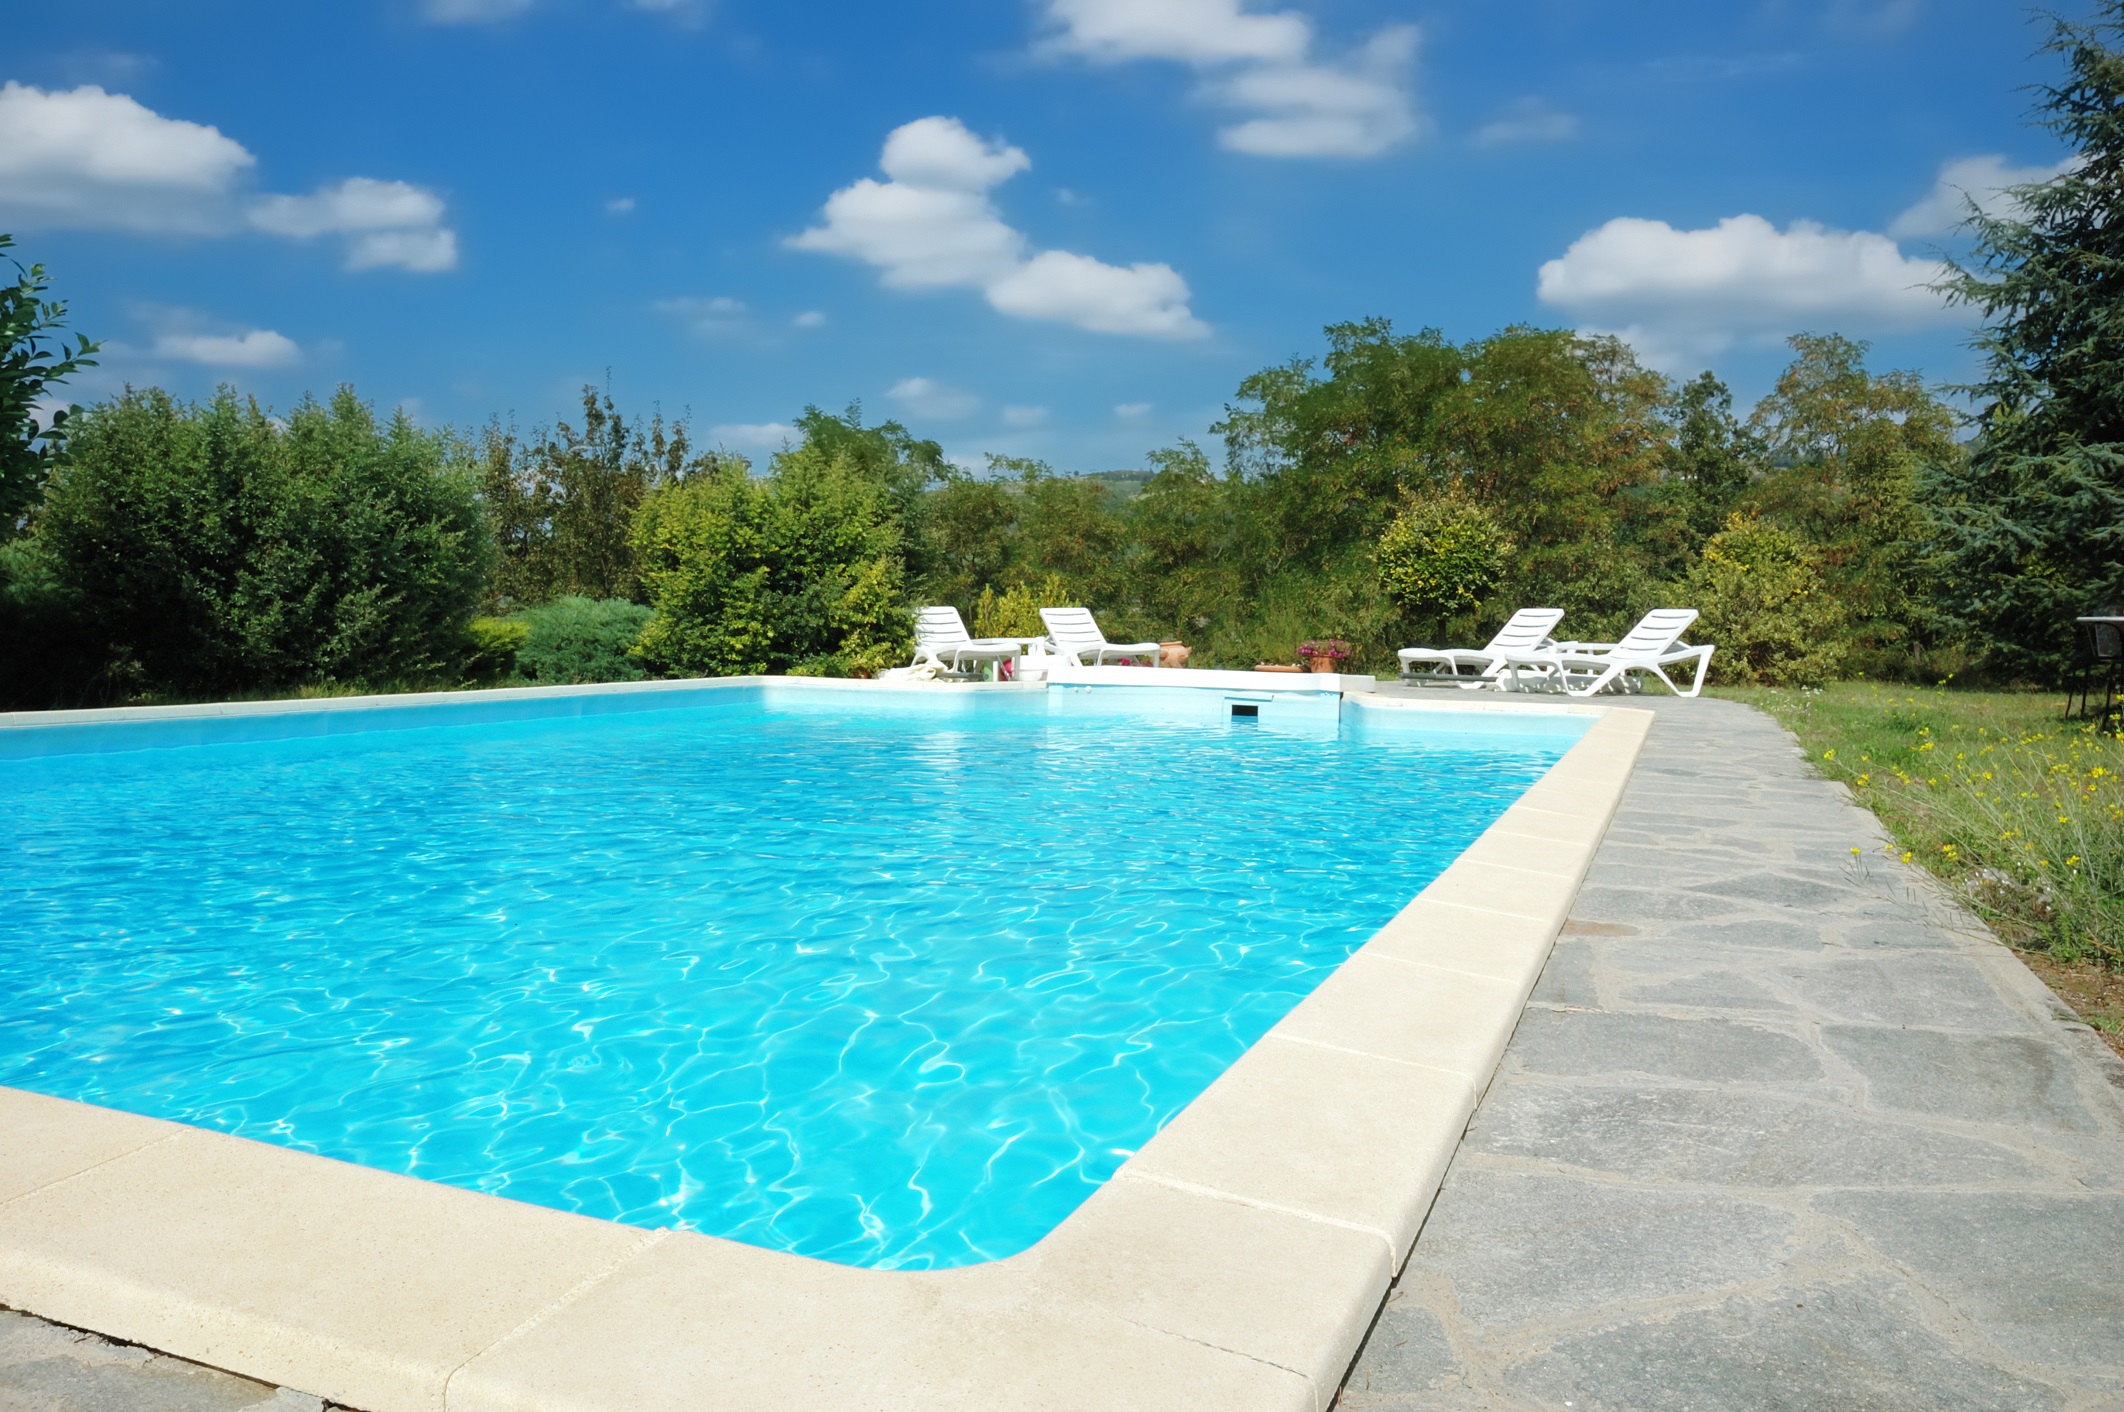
point(1330, 647)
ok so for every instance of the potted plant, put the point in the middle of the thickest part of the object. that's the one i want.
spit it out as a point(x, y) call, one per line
point(1325, 654)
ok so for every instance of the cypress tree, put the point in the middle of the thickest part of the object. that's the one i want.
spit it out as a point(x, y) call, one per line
point(2035, 519)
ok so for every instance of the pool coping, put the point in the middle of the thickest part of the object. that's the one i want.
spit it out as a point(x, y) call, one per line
point(1234, 1262)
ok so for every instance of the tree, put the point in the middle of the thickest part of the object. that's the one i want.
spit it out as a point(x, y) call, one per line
point(1441, 557)
point(1848, 451)
point(1329, 455)
point(1554, 434)
point(563, 504)
point(1714, 456)
point(1547, 432)
point(800, 572)
point(204, 549)
point(33, 358)
point(1191, 539)
point(1765, 606)
point(2036, 517)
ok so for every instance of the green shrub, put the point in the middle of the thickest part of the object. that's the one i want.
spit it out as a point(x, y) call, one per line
point(798, 572)
point(1765, 607)
point(45, 660)
point(495, 643)
point(208, 549)
point(1441, 557)
point(576, 639)
point(1016, 611)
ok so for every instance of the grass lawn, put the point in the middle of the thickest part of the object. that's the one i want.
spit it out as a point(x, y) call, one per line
point(2020, 812)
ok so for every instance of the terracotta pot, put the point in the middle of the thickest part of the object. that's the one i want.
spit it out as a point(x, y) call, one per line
point(1174, 654)
point(1324, 664)
point(1277, 667)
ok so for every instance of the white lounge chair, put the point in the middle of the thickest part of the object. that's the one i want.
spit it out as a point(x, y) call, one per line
point(1528, 630)
point(1075, 635)
point(1652, 646)
point(942, 642)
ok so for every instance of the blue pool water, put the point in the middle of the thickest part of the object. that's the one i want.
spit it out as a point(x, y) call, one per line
point(890, 990)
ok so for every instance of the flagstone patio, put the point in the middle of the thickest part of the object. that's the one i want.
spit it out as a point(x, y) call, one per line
point(1781, 1128)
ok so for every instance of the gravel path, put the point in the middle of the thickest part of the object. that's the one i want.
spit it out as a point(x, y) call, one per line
point(1781, 1128)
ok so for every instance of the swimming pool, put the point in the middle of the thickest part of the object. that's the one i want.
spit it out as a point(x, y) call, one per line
point(890, 987)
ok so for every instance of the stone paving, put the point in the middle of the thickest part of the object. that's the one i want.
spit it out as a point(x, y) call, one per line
point(1781, 1129)
point(47, 1368)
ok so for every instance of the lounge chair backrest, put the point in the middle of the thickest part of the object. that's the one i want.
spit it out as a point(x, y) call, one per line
point(1657, 631)
point(1529, 628)
point(940, 627)
point(1073, 629)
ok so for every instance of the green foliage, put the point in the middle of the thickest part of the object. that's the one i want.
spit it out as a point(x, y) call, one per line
point(495, 643)
point(45, 657)
point(2036, 517)
point(576, 639)
point(1441, 557)
point(32, 360)
point(206, 549)
point(1765, 607)
point(800, 571)
point(1849, 450)
point(1548, 433)
point(1707, 467)
point(905, 466)
point(1016, 611)
point(1192, 534)
point(1330, 455)
point(1402, 489)
point(563, 505)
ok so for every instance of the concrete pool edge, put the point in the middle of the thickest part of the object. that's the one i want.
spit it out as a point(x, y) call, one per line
point(1234, 1262)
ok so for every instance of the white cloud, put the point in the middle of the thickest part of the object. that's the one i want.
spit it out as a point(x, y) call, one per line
point(472, 12)
point(85, 158)
point(755, 436)
point(708, 317)
point(932, 226)
point(1678, 294)
point(392, 223)
point(258, 348)
point(1190, 31)
point(689, 13)
point(620, 205)
point(1132, 411)
point(1527, 121)
point(1358, 109)
point(940, 154)
point(939, 402)
point(1985, 181)
point(810, 318)
point(1265, 64)
point(420, 251)
point(1146, 300)
point(1024, 416)
point(358, 203)
point(1870, 18)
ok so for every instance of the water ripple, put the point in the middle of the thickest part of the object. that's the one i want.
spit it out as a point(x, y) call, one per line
point(862, 989)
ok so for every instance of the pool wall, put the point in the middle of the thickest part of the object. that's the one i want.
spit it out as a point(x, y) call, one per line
point(1233, 1263)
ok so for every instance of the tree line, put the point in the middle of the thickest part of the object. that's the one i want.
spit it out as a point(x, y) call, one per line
point(1399, 488)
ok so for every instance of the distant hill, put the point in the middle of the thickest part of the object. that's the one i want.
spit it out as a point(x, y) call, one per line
point(1124, 484)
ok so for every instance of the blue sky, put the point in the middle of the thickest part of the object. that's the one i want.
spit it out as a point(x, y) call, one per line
point(1092, 217)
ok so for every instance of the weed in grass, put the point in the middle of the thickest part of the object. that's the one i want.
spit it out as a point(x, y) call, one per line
point(2021, 812)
